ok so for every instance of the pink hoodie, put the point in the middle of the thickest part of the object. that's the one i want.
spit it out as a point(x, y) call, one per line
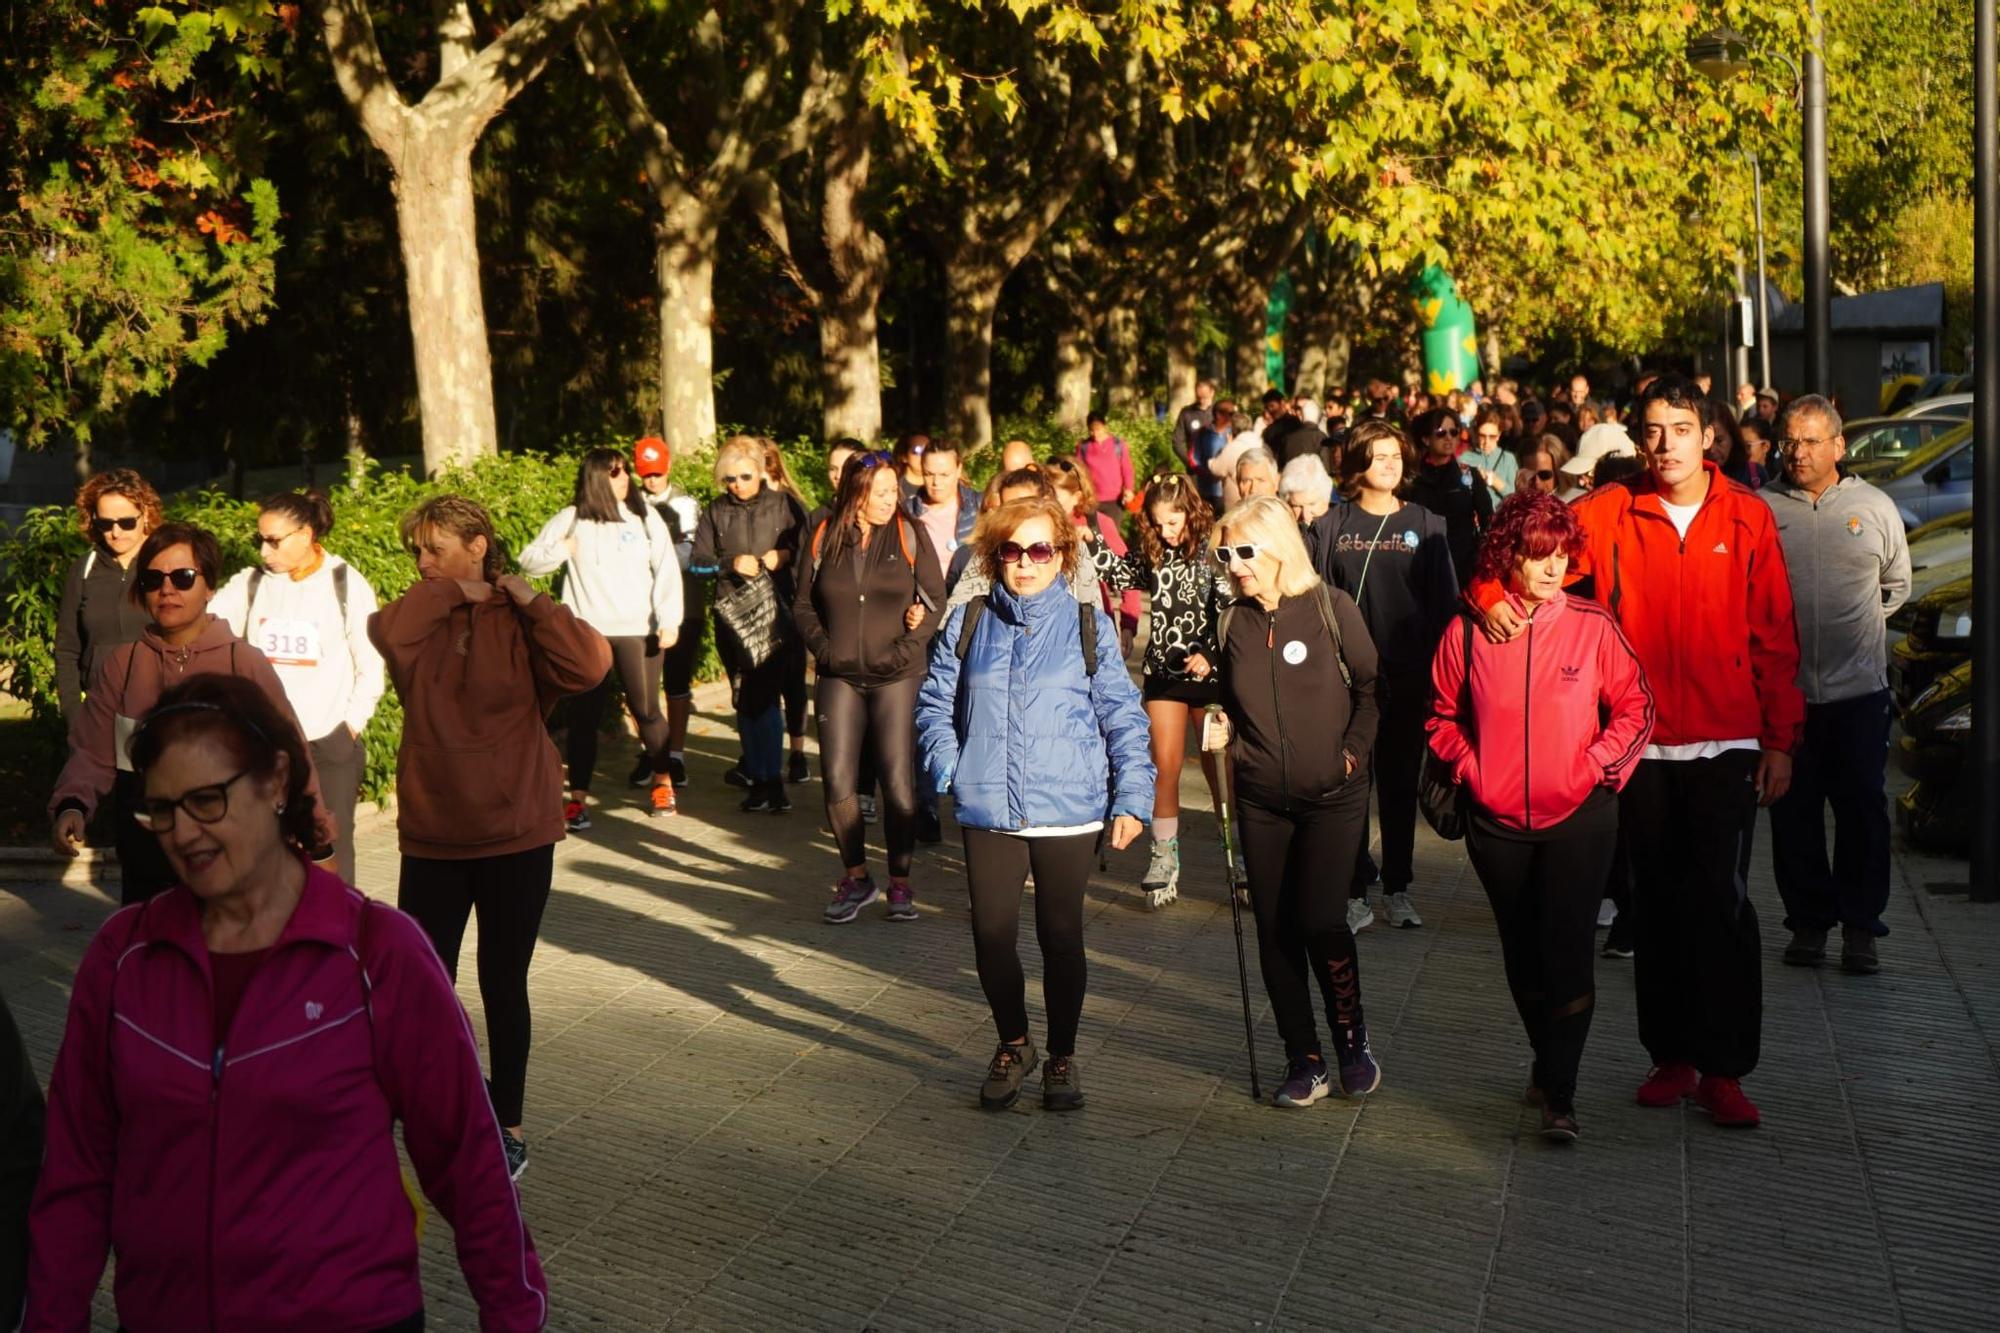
point(1534, 747)
point(254, 1186)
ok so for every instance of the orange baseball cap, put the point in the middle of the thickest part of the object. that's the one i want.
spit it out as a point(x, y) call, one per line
point(651, 457)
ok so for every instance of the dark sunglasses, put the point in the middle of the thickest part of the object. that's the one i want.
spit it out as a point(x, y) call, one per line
point(106, 524)
point(880, 458)
point(151, 580)
point(1545, 474)
point(205, 805)
point(1445, 430)
point(1039, 554)
point(616, 470)
point(1244, 551)
point(278, 540)
point(740, 476)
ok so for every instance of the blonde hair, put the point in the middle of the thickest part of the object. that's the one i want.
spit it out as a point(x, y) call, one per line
point(463, 519)
point(1266, 522)
point(747, 447)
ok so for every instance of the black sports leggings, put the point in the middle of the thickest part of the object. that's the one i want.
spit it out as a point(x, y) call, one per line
point(996, 871)
point(1299, 862)
point(796, 697)
point(635, 661)
point(881, 719)
point(1544, 893)
point(509, 893)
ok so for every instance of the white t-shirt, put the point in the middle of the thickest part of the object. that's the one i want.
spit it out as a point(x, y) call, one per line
point(331, 672)
point(1682, 516)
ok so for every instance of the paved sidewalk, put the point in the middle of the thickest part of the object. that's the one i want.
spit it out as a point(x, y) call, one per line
point(743, 1118)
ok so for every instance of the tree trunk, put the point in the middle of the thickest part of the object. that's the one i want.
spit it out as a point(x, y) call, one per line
point(1492, 358)
point(972, 295)
point(1181, 370)
point(1249, 315)
point(1121, 346)
point(685, 259)
point(1318, 330)
point(1339, 359)
point(850, 369)
point(858, 261)
point(1076, 366)
point(436, 226)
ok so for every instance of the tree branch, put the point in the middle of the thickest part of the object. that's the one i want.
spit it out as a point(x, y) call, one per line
point(361, 75)
point(475, 93)
point(604, 62)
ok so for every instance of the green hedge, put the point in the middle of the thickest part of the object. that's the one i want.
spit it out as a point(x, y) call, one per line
point(520, 490)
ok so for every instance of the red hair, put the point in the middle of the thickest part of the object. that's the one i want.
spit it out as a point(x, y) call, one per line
point(1528, 526)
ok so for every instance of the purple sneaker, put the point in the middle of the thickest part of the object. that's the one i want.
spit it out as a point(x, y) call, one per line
point(1359, 1074)
point(902, 901)
point(1305, 1083)
point(849, 897)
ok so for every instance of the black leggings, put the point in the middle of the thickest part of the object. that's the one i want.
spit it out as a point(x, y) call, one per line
point(635, 661)
point(143, 868)
point(883, 720)
point(795, 689)
point(1298, 861)
point(1405, 700)
point(509, 893)
point(1545, 889)
point(997, 866)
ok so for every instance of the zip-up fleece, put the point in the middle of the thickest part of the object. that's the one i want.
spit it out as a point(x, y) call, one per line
point(253, 1187)
point(1850, 567)
point(1710, 616)
point(1292, 721)
point(850, 609)
point(477, 774)
point(1534, 747)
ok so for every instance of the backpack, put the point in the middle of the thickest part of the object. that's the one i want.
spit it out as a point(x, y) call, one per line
point(1086, 624)
point(257, 578)
point(1324, 600)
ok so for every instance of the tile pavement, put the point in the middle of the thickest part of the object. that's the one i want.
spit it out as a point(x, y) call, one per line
point(743, 1118)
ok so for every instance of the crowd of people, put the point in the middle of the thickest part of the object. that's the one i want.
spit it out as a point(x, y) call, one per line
point(1591, 640)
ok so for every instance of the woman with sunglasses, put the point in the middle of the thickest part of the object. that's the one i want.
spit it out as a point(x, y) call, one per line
point(1297, 669)
point(1172, 566)
point(307, 611)
point(238, 1052)
point(621, 578)
point(1541, 468)
point(751, 531)
point(1489, 456)
point(1394, 559)
point(115, 511)
point(866, 569)
point(177, 570)
point(1036, 731)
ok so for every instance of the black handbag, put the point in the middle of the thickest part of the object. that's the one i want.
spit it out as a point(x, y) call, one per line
point(1439, 794)
point(751, 613)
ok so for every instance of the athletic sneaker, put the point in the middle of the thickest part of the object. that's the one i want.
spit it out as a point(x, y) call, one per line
point(1725, 1103)
point(1607, 912)
point(1618, 940)
point(798, 772)
point(781, 801)
point(1402, 912)
point(1062, 1090)
point(517, 1154)
point(902, 901)
point(576, 816)
point(736, 777)
point(1807, 949)
point(1359, 1074)
point(642, 771)
point(867, 804)
point(1360, 915)
point(677, 769)
point(760, 801)
point(1162, 881)
point(929, 830)
point(1011, 1065)
point(1666, 1085)
point(1857, 951)
point(849, 897)
point(1558, 1126)
point(1306, 1081)
point(663, 799)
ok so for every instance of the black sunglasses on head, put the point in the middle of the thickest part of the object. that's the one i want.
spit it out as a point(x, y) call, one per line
point(151, 580)
point(106, 524)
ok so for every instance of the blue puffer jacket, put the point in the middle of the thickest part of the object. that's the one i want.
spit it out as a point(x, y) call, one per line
point(1025, 739)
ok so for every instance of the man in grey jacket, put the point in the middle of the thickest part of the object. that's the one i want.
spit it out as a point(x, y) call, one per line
point(1850, 568)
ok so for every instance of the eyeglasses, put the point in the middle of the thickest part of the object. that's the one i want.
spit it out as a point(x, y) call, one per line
point(278, 540)
point(1446, 429)
point(734, 477)
point(151, 580)
point(1230, 553)
point(1806, 442)
point(1040, 553)
point(103, 525)
point(205, 805)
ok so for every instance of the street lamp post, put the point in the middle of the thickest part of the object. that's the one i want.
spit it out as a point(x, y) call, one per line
point(1763, 306)
point(1986, 470)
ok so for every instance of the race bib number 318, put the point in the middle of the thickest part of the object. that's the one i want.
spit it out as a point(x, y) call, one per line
point(289, 642)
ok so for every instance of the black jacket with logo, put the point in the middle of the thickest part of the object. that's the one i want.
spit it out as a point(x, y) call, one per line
point(1293, 719)
point(851, 600)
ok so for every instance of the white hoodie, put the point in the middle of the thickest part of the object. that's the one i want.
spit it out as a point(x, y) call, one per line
point(623, 580)
point(331, 672)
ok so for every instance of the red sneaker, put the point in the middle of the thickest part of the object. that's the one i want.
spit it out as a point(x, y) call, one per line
point(1667, 1084)
point(1725, 1103)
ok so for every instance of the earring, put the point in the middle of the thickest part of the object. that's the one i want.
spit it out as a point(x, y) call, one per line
point(281, 807)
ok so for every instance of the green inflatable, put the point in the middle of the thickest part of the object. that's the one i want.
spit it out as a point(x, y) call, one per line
point(1451, 343)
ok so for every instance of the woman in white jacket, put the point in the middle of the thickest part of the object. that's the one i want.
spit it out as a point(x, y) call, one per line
point(307, 611)
point(622, 579)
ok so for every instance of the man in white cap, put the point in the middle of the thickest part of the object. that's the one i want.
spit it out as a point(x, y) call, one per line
point(1607, 439)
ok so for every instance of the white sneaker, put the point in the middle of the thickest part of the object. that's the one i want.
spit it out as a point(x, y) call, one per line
point(1402, 912)
point(1162, 881)
point(1360, 915)
point(1607, 912)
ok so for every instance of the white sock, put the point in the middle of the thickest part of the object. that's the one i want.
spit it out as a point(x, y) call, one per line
point(1167, 828)
point(677, 754)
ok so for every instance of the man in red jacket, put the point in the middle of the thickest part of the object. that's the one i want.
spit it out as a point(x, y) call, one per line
point(1689, 563)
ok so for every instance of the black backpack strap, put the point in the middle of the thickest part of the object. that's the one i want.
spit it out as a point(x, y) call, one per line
point(250, 601)
point(1325, 599)
point(1086, 628)
point(973, 610)
point(340, 593)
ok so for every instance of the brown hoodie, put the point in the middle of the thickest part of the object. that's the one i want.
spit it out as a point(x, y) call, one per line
point(131, 680)
point(477, 774)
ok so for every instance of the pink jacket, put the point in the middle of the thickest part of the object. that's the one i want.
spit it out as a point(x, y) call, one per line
point(1109, 466)
point(254, 1186)
point(1534, 748)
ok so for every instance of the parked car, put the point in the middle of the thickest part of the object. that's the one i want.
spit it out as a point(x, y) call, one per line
point(1931, 483)
point(1956, 406)
point(1878, 439)
point(1935, 812)
point(1939, 638)
point(1909, 389)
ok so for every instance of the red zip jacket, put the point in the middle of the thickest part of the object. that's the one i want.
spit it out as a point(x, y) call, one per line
point(1532, 746)
point(1710, 617)
point(254, 1187)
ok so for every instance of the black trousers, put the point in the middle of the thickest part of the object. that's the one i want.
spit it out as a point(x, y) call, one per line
point(997, 866)
point(1295, 859)
point(1843, 763)
point(509, 893)
point(636, 660)
point(794, 688)
point(1544, 887)
point(882, 720)
point(1699, 974)
point(1405, 701)
point(143, 868)
point(338, 758)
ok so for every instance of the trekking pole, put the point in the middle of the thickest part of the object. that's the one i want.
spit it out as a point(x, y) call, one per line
point(1235, 902)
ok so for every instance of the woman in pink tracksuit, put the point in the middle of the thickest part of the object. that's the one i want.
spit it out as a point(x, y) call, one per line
point(238, 1049)
point(1542, 732)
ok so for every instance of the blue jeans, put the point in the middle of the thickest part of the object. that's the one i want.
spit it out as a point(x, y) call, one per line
point(763, 735)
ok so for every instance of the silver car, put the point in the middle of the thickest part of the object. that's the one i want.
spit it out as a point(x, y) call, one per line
point(1934, 481)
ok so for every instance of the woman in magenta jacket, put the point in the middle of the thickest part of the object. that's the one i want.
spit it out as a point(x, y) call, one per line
point(1542, 732)
point(237, 1050)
